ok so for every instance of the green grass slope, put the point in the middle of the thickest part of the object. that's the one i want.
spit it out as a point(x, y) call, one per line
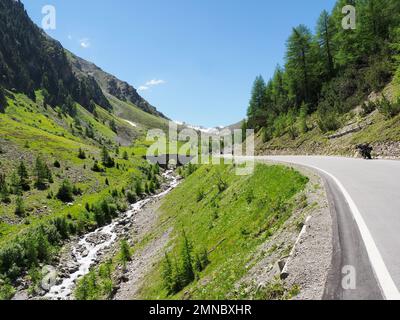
point(28, 130)
point(228, 217)
point(142, 120)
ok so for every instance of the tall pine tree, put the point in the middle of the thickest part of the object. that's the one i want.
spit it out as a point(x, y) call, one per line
point(257, 107)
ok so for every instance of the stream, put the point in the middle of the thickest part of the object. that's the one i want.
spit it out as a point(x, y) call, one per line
point(86, 251)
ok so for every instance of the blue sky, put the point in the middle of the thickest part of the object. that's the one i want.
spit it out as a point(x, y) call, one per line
point(195, 60)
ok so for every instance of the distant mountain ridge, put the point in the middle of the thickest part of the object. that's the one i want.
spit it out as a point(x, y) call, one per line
point(111, 84)
point(31, 60)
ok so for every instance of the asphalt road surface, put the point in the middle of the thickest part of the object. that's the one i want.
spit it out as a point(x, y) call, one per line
point(366, 198)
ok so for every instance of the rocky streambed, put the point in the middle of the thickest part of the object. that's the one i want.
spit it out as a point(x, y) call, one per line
point(81, 254)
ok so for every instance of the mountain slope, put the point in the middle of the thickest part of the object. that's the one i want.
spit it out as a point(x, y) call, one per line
point(110, 84)
point(71, 154)
point(359, 126)
point(30, 60)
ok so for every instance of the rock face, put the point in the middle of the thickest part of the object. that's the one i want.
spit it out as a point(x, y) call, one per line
point(31, 60)
point(111, 85)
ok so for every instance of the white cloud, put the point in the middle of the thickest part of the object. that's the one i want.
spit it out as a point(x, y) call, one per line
point(69, 37)
point(143, 88)
point(85, 43)
point(152, 83)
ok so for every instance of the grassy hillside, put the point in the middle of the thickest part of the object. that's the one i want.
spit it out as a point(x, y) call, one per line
point(142, 120)
point(224, 218)
point(69, 148)
point(366, 123)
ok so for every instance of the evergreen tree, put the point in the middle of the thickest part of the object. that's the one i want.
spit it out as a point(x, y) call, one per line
point(325, 31)
point(2, 100)
point(301, 65)
point(89, 132)
point(346, 42)
point(139, 188)
point(57, 164)
point(113, 126)
point(125, 254)
point(168, 275)
point(19, 207)
point(187, 272)
point(106, 158)
point(81, 154)
point(15, 184)
point(43, 174)
point(65, 193)
point(257, 107)
point(23, 176)
point(4, 191)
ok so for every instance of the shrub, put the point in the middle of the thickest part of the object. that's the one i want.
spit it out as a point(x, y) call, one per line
point(104, 211)
point(152, 187)
point(7, 291)
point(57, 164)
point(139, 188)
point(292, 131)
point(19, 207)
point(200, 195)
point(76, 191)
point(62, 227)
point(388, 109)
point(303, 126)
point(266, 134)
point(328, 121)
point(124, 252)
point(378, 74)
point(280, 126)
point(65, 193)
point(368, 108)
point(96, 167)
point(81, 154)
point(250, 196)
point(97, 284)
point(131, 197)
point(221, 183)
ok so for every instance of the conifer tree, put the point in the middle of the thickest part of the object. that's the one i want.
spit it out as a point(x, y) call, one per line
point(23, 176)
point(43, 174)
point(187, 271)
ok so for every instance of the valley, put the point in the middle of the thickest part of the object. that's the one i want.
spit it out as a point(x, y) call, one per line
point(87, 213)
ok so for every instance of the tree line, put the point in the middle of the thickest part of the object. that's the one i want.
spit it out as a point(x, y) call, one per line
point(329, 71)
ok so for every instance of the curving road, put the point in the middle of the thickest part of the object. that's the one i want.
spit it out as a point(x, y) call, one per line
point(366, 198)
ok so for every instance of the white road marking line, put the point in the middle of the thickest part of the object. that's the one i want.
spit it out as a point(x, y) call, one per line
point(385, 280)
point(388, 287)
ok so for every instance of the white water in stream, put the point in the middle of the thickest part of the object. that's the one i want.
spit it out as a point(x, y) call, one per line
point(86, 261)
